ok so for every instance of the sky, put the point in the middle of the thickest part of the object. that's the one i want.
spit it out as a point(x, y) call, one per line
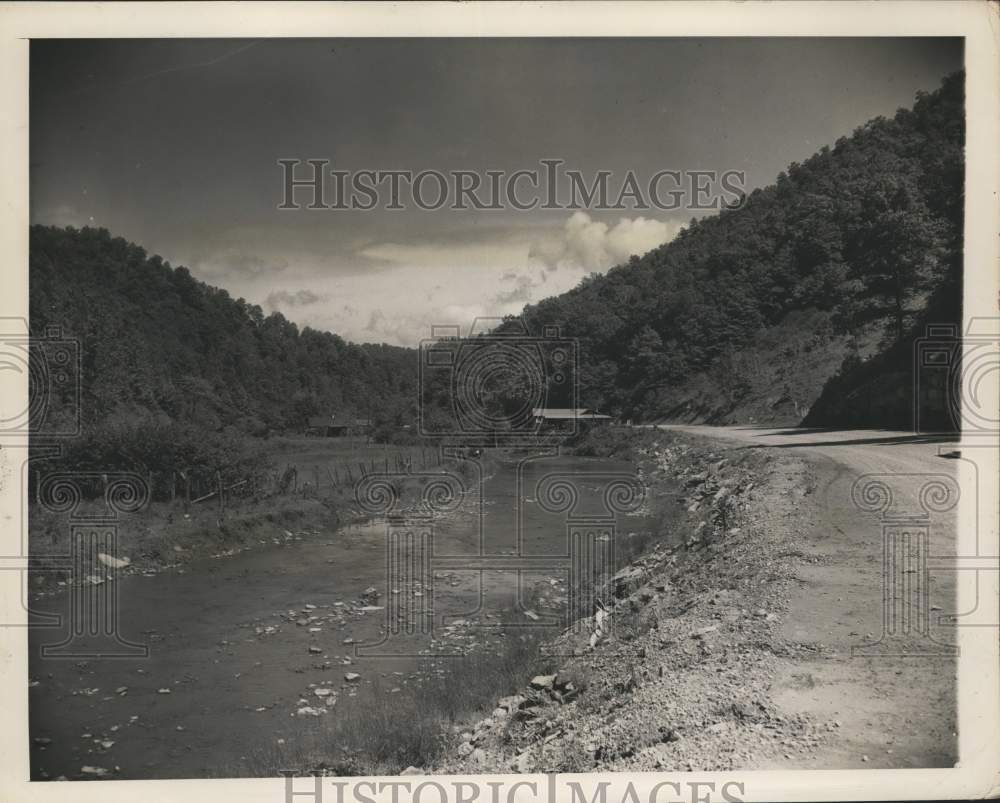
point(174, 145)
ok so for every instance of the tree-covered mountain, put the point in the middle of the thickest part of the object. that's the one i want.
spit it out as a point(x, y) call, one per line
point(157, 345)
point(746, 314)
point(784, 309)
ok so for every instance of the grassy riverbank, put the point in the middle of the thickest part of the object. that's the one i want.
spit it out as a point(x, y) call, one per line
point(319, 496)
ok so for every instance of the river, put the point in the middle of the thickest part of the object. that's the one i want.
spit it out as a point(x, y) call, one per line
point(237, 646)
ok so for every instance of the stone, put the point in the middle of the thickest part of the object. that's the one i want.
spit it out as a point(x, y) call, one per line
point(412, 771)
point(323, 692)
point(310, 711)
point(512, 703)
point(315, 650)
point(98, 772)
point(543, 682)
point(352, 677)
point(112, 562)
point(464, 749)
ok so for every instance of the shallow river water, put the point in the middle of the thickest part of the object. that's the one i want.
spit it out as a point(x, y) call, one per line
point(236, 643)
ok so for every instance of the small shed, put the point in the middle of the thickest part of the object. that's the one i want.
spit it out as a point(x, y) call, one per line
point(561, 416)
point(336, 426)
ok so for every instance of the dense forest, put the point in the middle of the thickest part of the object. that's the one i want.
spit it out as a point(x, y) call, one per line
point(746, 316)
point(838, 258)
point(169, 360)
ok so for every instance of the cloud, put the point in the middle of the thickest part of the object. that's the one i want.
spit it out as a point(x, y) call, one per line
point(594, 246)
point(300, 298)
point(425, 283)
point(63, 215)
point(376, 321)
point(233, 262)
point(522, 292)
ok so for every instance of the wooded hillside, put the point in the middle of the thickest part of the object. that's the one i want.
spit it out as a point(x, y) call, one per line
point(748, 313)
point(747, 316)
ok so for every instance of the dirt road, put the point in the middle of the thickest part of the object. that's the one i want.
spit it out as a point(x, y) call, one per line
point(896, 700)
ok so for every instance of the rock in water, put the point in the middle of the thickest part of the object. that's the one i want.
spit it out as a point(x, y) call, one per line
point(113, 562)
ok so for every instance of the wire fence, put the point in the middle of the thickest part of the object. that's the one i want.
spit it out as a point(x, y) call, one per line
point(308, 475)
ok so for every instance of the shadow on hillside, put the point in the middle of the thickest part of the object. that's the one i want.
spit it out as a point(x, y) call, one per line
point(898, 388)
point(882, 440)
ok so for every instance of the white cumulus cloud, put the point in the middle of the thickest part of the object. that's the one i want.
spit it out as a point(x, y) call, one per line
point(594, 245)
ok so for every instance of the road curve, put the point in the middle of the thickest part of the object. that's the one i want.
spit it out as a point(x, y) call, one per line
point(894, 693)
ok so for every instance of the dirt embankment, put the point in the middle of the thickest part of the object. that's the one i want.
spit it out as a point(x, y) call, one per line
point(695, 666)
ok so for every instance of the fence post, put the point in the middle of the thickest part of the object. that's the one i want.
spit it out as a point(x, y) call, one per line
point(222, 494)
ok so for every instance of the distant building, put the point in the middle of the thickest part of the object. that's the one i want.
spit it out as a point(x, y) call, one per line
point(335, 426)
point(561, 416)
